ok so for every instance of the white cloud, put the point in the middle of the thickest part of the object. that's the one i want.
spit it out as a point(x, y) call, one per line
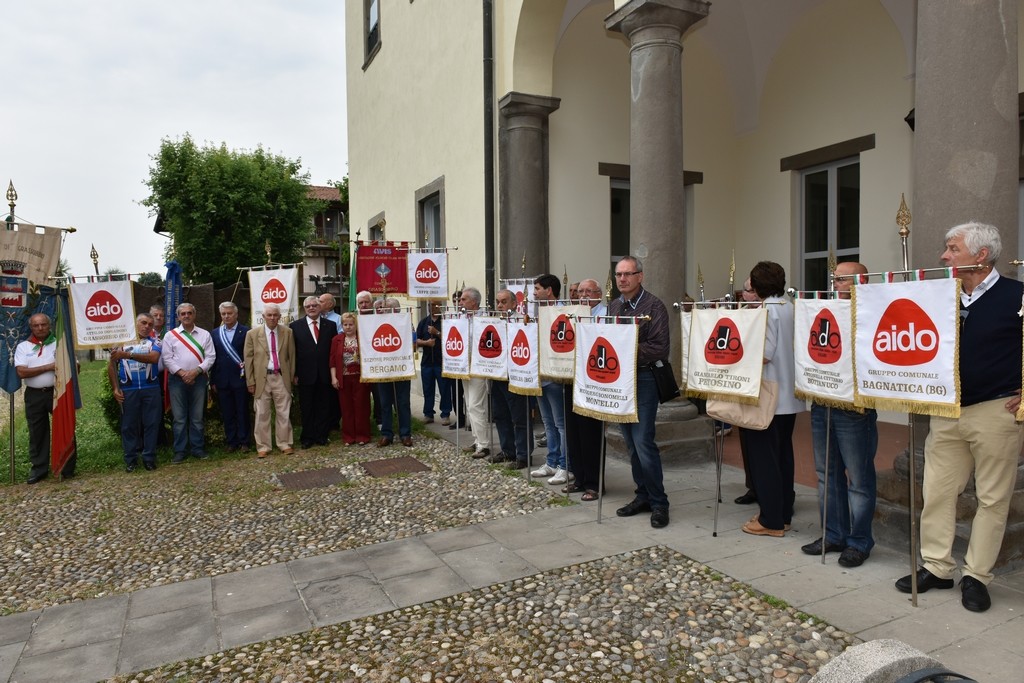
point(92, 88)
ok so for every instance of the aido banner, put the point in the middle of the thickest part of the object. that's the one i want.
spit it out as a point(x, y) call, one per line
point(905, 355)
point(488, 348)
point(428, 275)
point(823, 351)
point(104, 313)
point(385, 347)
point(558, 340)
point(523, 377)
point(280, 286)
point(726, 353)
point(605, 379)
point(455, 357)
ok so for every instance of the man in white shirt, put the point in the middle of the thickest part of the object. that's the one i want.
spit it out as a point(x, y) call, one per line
point(188, 354)
point(34, 361)
point(269, 367)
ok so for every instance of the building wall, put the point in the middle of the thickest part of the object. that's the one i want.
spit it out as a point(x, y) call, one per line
point(415, 115)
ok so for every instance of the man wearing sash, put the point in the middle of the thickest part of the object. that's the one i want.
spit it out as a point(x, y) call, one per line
point(313, 335)
point(986, 439)
point(269, 367)
point(136, 385)
point(653, 345)
point(188, 355)
point(509, 408)
point(228, 377)
point(851, 440)
point(34, 361)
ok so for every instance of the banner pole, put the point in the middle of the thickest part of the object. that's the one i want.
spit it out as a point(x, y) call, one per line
point(10, 429)
point(600, 474)
point(824, 498)
point(719, 437)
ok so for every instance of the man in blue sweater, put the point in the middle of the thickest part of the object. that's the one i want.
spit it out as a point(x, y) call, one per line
point(985, 440)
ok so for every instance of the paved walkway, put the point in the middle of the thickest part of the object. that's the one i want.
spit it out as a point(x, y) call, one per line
point(99, 638)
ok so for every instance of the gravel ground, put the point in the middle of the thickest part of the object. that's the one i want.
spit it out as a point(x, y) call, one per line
point(647, 615)
point(100, 535)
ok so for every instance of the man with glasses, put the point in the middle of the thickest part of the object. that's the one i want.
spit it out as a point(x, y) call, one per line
point(583, 433)
point(313, 335)
point(653, 346)
point(188, 354)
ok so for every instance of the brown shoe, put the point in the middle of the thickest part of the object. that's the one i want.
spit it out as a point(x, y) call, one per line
point(384, 441)
point(262, 454)
point(754, 527)
point(287, 451)
point(407, 441)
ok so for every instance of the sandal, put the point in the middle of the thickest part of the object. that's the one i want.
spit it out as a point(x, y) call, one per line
point(572, 487)
point(589, 495)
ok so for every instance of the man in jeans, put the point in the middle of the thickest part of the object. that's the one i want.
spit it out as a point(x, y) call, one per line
point(652, 346)
point(509, 409)
point(546, 289)
point(431, 346)
point(188, 354)
point(852, 442)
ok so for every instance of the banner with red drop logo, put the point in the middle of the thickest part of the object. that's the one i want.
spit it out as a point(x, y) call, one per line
point(605, 379)
point(279, 286)
point(428, 275)
point(523, 289)
point(906, 340)
point(523, 359)
point(104, 313)
point(558, 340)
point(823, 351)
point(726, 353)
point(385, 347)
point(455, 357)
point(487, 348)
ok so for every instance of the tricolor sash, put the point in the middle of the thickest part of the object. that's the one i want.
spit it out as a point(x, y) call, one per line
point(192, 345)
point(231, 349)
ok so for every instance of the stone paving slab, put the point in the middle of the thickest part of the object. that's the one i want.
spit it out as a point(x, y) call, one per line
point(395, 558)
point(9, 659)
point(259, 587)
point(81, 664)
point(16, 628)
point(345, 597)
point(423, 586)
point(80, 623)
point(263, 623)
point(173, 596)
point(167, 637)
point(329, 566)
point(483, 565)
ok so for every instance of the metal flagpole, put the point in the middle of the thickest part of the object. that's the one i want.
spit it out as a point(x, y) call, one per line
point(719, 438)
point(828, 431)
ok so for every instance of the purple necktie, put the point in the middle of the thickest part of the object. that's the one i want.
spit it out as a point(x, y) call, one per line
point(273, 352)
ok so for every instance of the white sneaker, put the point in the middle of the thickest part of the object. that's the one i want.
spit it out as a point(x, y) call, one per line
point(561, 477)
point(543, 471)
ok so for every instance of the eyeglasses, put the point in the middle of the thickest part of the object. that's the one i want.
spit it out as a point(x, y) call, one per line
point(187, 313)
point(628, 274)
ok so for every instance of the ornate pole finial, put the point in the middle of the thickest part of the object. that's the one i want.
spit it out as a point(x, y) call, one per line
point(522, 267)
point(831, 270)
point(12, 198)
point(266, 248)
point(608, 284)
point(95, 256)
point(732, 274)
point(903, 220)
point(700, 282)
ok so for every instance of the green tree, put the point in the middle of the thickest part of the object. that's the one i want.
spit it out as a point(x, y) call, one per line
point(113, 274)
point(221, 206)
point(150, 279)
point(63, 268)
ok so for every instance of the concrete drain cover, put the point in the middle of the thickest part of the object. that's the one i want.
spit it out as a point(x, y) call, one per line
point(392, 466)
point(311, 479)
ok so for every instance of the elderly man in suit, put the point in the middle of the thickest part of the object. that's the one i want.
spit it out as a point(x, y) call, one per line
point(313, 335)
point(269, 358)
point(227, 377)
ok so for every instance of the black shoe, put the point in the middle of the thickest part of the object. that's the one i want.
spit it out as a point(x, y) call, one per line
point(746, 499)
point(925, 582)
point(178, 458)
point(201, 456)
point(517, 464)
point(150, 466)
point(633, 507)
point(852, 557)
point(499, 457)
point(659, 518)
point(130, 467)
point(975, 594)
point(815, 547)
point(36, 479)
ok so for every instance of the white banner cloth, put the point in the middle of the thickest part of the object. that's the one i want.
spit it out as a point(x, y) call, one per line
point(685, 320)
point(605, 379)
point(385, 347)
point(905, 356)
point(523, 377)
point(823, 351)
point(279, 286)
point(488, 357)
point(455, 357)
point(726, 353)
point(428, 274)
point(104, 313)
point(558, 340)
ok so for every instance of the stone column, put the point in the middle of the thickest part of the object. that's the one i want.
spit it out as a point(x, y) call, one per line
point(523, 183)
point(657, 219)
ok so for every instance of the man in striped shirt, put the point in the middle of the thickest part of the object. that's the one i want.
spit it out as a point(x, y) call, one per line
point(136, 384)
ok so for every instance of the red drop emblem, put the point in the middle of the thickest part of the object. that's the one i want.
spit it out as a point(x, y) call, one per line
point(563, 335)
point(386, 339)
point(274, 292)
point(905, 335)
point(454, 345)
point(603, 362)
point(427, 272)
point(724, 346)
point(490, 343)
point(825, 344)
point(520, 351)
point(103, 307)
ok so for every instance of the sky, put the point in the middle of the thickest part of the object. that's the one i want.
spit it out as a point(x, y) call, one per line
point(90, 90)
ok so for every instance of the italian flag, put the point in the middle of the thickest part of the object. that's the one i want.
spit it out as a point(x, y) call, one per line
point(66, 397)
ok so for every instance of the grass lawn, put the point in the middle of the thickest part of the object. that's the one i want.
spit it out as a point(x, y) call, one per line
point(99, 447)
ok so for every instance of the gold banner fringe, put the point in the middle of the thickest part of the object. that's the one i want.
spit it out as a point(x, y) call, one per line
point(385, 380)
point(456, 375)
point(525, 392)
point(915, 407)
point(605, 417)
